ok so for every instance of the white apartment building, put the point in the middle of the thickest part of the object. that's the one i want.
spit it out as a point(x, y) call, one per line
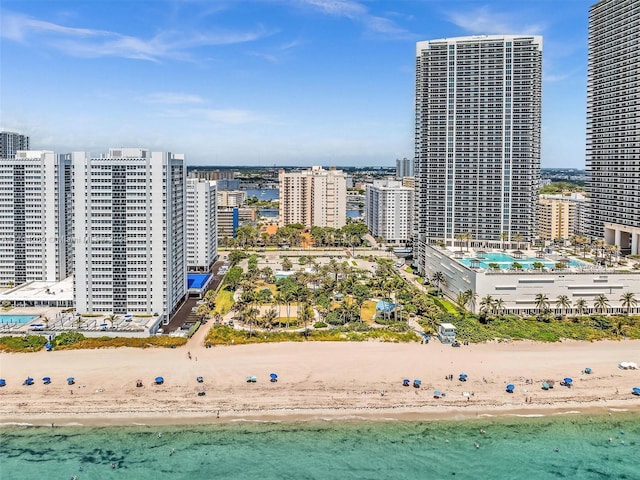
point(478, 121)
point(389, 211)
point(313, 198)
point(33, 219)
point(130, 210)
point(11, 142)
point(613, 124)
point(202, 230)
point(231, 198)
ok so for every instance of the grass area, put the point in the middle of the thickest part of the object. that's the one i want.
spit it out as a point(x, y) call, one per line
point(515, 328)
point(77, 341)
point(445, 305)
point(223, 335)
point(224, 301)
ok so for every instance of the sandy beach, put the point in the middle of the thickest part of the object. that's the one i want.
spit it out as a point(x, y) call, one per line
point(315, 381)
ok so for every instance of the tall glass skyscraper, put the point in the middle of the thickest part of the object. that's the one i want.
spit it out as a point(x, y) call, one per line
point(613, 124)
point(478, 109)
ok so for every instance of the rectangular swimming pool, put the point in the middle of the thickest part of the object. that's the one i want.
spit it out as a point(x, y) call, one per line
point(17, 319)
point(197, 280)
point(505, 261)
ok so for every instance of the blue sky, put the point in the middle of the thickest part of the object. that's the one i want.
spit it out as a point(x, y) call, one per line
point(262, 82)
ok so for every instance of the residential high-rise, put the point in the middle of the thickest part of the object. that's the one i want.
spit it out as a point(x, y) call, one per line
point(313, 198)
point(560, 217)
point(11, 142)
point(478, 117)
point(404, 168)
point(33, 223)
point(389, 211)
point(130, 225)
point(231, 198)
point(613, 124)
point(202, 231)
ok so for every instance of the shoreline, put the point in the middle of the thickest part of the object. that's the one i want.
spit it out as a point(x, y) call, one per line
point(317, 381)
point(328, 416)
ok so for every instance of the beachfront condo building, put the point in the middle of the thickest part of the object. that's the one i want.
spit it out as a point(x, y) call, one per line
point(11, 142)
point(404, 168)
point(561, 217)
point(314, 198)
point(389, 211)
point(231, 198)
point(130, 210)
point(34, 221)
point(202, 224)
point(613, 124)
point(477, 140)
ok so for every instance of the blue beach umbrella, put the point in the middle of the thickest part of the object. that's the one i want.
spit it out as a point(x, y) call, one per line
point(463, 377)
point(3, 382)
point(46, 380)
point(71, 381)
point(437, 394)
point(159, 380)
point(274, 377)
point(568, 380)
point(587, 370)
point(417, 383)
point(510, 388)
point(406, 382)
point(635, 391)
point(28, 381)
point(48, 346)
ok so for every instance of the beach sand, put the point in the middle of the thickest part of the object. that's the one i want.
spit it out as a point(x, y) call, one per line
point(316, 380)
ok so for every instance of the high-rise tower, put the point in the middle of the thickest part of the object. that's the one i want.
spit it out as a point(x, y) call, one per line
point(478, 113)
point(613, 124)
point(11, 142)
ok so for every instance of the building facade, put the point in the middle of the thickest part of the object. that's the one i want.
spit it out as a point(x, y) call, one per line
point(478, 120)
point(131, 230)
point(231, 198)
point(404, 168)
point(202, 230)
point(389, 211)
point(33, 219)
point(561, 217)
point(11, 142)
point(613, 124)
point(313, 198)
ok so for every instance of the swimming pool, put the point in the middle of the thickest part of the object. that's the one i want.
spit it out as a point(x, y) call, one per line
point(506, 261)
point(17, 319)
point(197, 280)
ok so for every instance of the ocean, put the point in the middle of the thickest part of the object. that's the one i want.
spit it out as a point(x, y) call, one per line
point(558, 446)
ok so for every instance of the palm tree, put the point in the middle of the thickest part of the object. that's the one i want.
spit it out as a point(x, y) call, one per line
point(471, 297)
point(563, 303)
point(498, 305)
point(518, 238)
point(438, 279)
point(487, 304)
point(269, 318)
point(250, 314)
point(601, 303)
point(305, 314)
point(504, 236)
point(581, 306)
point(541, 302)
point(628, 300)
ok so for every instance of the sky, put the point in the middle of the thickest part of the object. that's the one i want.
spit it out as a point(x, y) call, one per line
point(262, 82)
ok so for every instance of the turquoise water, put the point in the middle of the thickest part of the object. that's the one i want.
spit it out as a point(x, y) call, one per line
point(505, 261)
point(21, 319)
point(512, 448)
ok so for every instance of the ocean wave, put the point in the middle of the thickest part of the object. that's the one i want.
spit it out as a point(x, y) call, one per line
point(527, 415)
point(618, 409)
point(16, 424)
point(570, 412)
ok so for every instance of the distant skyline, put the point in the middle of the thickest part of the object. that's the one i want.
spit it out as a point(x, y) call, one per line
point(263, 82)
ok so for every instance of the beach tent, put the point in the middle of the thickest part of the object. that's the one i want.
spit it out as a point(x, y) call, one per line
point(71, 381)
point(28, 381)
point(510, 388)
point(463, 377)
point(274, 377)
point(46, 380)
point(3, 382)
point(406, 382)
point(417, 383)
point(159, 380)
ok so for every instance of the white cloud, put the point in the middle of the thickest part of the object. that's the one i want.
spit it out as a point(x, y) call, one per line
point(92, 43)
point(172, 98)
point(482, 20)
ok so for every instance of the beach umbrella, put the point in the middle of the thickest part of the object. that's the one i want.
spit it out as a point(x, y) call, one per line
point(28, 381)
point(634, 390)
point(587, 370)
point(71, 381)
point(463, 377)
point(406, 382)
point(48, 346)
point(568, 380)
point(510, 388)
point(437, 394)
point(46, 380)
point(417, 383)
point(3, 382)
point(274, 377)
point(200, 379)
point(159, 380)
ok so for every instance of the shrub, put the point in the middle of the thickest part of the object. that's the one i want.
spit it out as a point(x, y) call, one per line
point(25, 343)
